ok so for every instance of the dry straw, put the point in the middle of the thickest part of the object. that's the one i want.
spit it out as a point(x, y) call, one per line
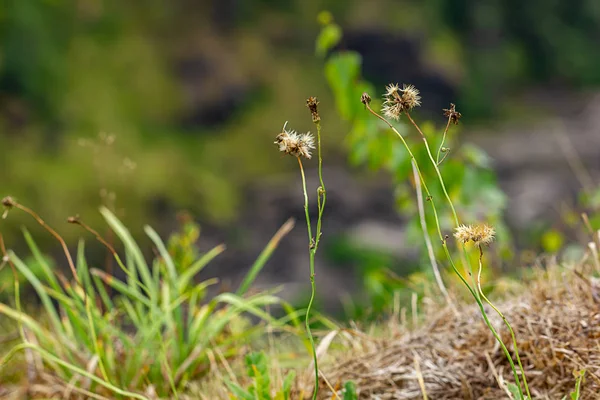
point(555, 318)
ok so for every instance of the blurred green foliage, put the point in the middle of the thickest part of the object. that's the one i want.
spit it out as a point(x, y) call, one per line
point(70, 69)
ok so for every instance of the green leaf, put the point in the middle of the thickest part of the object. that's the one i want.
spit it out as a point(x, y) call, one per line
point(575, 395)
point(134, 249)
point(42, 261)
point(160, 245)
point(256, 364)
point(514, 391)
point(476, 156)
point(328, 38)
point(350, 391)
point(39, 288)
point(238, 392)
point(120, 286)
point(342, 71)
point(197, 266)
point(287, 384)
point(552, 241)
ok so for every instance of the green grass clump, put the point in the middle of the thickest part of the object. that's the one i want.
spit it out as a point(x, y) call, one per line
point(158, 332)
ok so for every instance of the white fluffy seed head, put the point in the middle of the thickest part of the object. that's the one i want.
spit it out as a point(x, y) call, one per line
point(397, 100)
point(295, 144)
point(481, 234)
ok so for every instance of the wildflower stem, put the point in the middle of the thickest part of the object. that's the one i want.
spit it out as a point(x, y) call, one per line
point(437, 169)
point(428, 244)
point(473, 292)
point(312, 249)
point(321, 193)
point(510, 329)
point(414, 160)
point(438, 162)
point(465, 256)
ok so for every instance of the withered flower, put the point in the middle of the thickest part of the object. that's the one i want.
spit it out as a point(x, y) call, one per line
point(295, 144)
point(312, 104)
point(479, 234)
point(452, 114)
point(398, 100)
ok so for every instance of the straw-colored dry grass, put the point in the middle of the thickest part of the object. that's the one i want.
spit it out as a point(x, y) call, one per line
point(555, 317)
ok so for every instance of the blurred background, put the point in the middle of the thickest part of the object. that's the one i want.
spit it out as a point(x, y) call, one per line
point(166, 112)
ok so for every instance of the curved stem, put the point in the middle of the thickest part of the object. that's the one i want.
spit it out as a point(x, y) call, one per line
point(437, 169)
point(321, 192)
point(56, 235)
point(510, 329)
point(312, 249)
point(438, 162)
point(428, 244)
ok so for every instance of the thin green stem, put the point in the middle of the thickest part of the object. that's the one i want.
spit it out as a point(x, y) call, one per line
point(457, 223)
point(473, 292)
point(442, 144)
point(312, 249)
point(428, 244)
point(321, 192)
point(437, 169)
point(510, 329)
point(414, 160)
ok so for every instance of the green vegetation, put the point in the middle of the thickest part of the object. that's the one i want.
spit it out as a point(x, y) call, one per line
point(158, 329)
point(151, 330)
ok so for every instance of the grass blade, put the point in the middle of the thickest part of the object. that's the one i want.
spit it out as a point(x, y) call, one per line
point(265, 255)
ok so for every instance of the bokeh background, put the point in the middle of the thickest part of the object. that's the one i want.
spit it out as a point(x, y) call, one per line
point(158, 107)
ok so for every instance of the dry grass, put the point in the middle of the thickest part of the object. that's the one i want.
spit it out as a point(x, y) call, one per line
point(555, 317)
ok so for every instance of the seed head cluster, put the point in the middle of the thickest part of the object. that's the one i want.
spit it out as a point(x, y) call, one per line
point(295, 144)
point(396, 100)
point(478, 234)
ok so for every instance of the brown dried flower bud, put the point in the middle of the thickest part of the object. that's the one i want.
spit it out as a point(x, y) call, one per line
point(452, 114)
point(73, 220)
point(8, 202)
point(365, 98)
point(312, 104)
